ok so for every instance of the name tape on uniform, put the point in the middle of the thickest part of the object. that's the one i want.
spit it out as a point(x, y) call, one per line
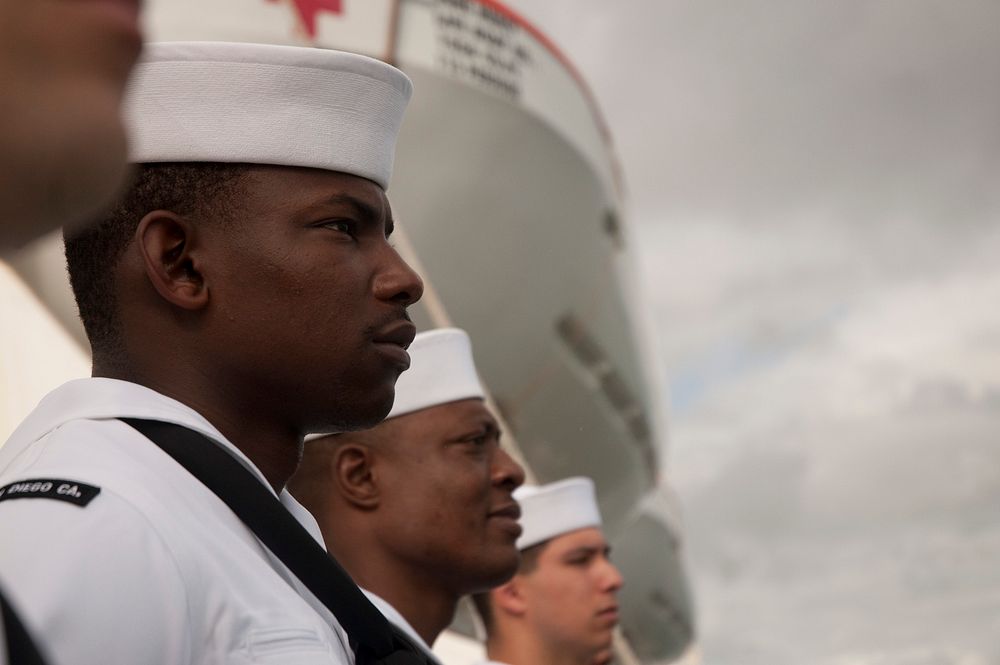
point(50, 488)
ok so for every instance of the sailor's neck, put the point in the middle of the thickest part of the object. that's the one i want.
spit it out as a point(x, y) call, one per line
point(274, 447)
point(426, 606)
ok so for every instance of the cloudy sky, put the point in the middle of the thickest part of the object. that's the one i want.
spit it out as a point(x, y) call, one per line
point(817, 191)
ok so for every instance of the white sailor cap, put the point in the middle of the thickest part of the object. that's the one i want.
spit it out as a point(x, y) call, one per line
point(551, 510)
point(266, 104)
point(441, 370)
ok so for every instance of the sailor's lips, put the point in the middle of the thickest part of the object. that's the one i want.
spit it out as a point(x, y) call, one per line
point(506, 517)
point(393, 340)
point(609, 614)
point(395, 353)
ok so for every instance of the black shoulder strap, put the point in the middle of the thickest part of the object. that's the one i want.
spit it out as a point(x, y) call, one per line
point(20, 648)
point(372, 636)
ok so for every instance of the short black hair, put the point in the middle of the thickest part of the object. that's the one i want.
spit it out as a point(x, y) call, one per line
point(93, 251)
point(529, 562)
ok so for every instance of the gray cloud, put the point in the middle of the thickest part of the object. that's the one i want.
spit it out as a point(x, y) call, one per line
point(816, 195)
point(856, 106)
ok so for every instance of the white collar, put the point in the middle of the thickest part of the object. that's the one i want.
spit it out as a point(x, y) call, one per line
point(394, 617)
point(106, 399)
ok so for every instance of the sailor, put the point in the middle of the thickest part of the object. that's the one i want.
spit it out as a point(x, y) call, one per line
point(244, 289)
point(419, 509)
point(62, 143)
point(561, 607)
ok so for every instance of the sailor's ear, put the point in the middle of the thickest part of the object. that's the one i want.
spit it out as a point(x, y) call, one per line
point(353, 468)
point(509, 598)
point(168, 245)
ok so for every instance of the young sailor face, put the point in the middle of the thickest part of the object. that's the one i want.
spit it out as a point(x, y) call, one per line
point(63, 64)
point(447, 487)
point(310, 296)
point(571, 594)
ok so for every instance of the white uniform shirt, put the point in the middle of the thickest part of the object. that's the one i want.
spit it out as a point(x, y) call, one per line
point(398, 620)
point(155, 569)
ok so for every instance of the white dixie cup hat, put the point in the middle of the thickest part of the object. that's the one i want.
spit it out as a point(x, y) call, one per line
point(552, 510)
point(266, 104)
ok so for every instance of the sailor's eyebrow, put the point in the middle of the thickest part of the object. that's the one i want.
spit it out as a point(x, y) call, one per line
point(367, 212)
point(487, 427)
point(588, 550)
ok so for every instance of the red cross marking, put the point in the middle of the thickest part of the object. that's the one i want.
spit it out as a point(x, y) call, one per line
point(308, 9)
